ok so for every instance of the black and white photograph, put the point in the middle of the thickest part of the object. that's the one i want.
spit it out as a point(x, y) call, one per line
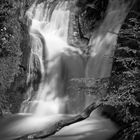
point(69, 69)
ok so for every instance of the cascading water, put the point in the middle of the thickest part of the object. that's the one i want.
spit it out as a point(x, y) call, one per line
point(104, 39)
point(49, 34)
point(53, 62)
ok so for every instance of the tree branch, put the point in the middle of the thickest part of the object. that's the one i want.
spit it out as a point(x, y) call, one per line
point(62, 123)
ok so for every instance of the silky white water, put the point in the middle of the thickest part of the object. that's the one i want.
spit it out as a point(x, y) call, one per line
point(53, 63)
point(54, 31)
point(57, 62)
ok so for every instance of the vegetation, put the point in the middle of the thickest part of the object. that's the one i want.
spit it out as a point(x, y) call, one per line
point(126, 78)
point(10, 51)
point(123, 87)
point(13, 48)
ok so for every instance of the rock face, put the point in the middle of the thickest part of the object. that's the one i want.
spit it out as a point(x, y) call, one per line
point(19, 86)
point(126, 69)
point(14, 53)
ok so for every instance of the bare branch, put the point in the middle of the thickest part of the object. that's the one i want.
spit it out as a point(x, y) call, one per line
point(62, 123)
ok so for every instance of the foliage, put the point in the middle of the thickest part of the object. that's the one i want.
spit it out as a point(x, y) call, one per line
point(9, 44)
point(126, 75)
point(10, 51)
point(90, 86)
point(123, 87)
point(3, 105)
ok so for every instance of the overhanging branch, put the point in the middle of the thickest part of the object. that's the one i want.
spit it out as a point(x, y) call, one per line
point(62, 123)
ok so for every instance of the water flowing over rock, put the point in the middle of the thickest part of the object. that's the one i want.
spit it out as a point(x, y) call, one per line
point(50, 51)
point(53, 62)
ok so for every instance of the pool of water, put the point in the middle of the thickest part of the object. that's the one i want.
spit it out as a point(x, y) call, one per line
point(95, 127)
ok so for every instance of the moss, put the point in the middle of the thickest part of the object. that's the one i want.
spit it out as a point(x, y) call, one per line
point(125, 79)
point(14, 53)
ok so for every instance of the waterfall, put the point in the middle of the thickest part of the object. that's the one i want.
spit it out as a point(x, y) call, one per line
point(53, 62)
point(104, 39)
point(49, 36)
